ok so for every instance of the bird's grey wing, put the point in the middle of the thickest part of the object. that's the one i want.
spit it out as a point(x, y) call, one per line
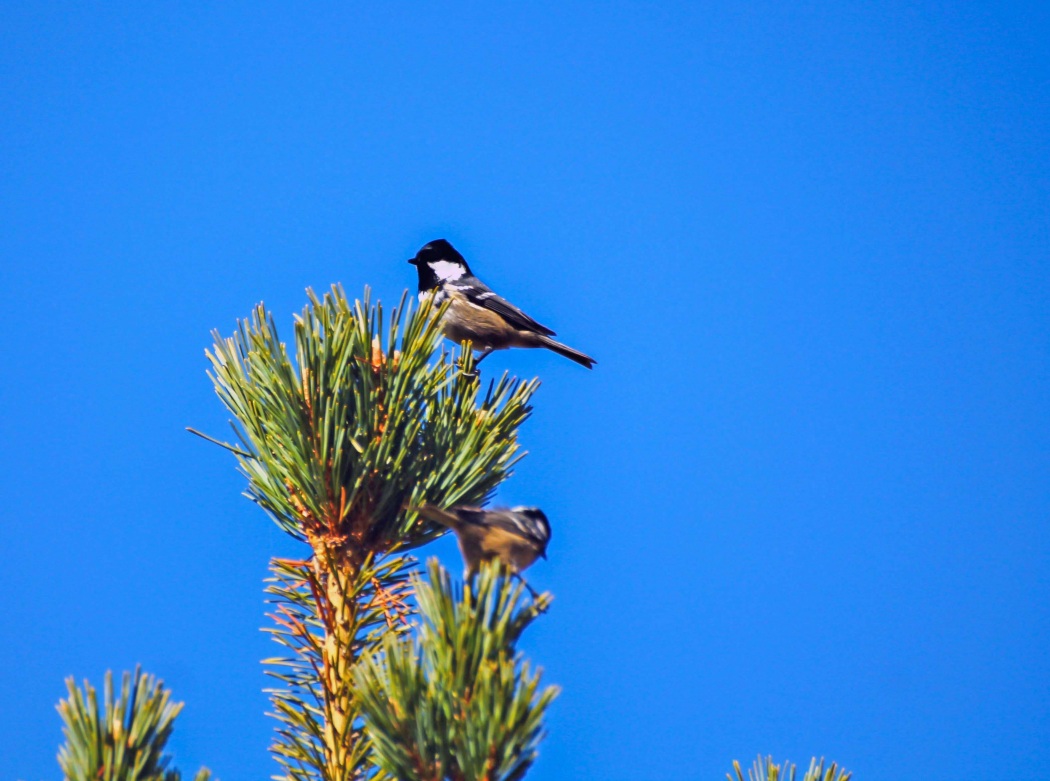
point(479, 294)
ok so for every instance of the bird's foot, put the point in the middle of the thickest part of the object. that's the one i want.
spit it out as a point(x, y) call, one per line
point(535, 594)
point(474, 373)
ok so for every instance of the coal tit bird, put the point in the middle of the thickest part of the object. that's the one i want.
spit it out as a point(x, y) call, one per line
point(476, 314)
point(516, 536)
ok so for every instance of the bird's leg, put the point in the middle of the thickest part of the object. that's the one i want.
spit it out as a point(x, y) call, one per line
point(525, 583)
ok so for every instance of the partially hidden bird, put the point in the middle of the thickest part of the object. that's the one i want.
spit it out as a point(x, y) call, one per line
point(476, 313)
point(516, 536)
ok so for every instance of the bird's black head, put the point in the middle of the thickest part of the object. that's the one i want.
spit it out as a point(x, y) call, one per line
point(539, 526)
point(438, 262)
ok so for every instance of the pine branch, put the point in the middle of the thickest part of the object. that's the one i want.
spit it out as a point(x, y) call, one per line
point(315, 705)
point(124, 740)
point(458, 702)
point(368, 420)
point(765, 769)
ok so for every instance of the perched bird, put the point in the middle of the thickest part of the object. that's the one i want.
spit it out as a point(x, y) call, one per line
point(515, 536)
point(476, 313)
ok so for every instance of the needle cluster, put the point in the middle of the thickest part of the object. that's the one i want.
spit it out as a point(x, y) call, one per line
point(340, 437)
point(457, 701)
point(765, 769)
point(123, 737)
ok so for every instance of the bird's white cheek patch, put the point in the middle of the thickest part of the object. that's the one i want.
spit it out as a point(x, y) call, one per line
point(446, 271)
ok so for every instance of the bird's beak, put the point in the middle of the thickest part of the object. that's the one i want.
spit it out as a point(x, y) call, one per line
point(411, 261)
point(544, 555)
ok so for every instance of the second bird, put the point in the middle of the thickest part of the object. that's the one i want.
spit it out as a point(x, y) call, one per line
point(516, 536)
point(477, 314)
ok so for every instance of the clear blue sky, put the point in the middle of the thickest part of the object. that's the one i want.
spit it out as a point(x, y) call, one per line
point(801, 505)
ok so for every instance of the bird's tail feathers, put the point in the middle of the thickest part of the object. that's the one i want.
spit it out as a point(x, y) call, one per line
point(437, 515)
point(566, 351)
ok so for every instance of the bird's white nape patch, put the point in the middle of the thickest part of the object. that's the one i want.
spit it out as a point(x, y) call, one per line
point(447, 271)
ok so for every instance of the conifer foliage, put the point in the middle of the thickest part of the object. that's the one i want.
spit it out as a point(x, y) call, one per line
point(122, 738)
point(362, 420)
point(457, 700)
point(383, 674)
point(765, 769)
